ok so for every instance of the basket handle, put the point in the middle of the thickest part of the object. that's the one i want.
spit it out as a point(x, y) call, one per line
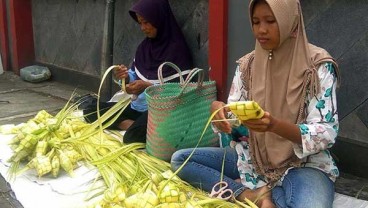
point(191, 75)
point(159, 72)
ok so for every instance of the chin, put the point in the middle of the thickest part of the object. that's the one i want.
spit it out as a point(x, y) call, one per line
point(266, 47)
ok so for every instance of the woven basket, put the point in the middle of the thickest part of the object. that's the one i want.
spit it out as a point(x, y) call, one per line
point(178, 113)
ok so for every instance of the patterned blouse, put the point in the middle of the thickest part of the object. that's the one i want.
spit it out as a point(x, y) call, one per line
point(318, 132)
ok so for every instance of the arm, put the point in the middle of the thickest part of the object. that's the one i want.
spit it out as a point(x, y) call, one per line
point(137, 86)
point(282, 128)
point(321, 127)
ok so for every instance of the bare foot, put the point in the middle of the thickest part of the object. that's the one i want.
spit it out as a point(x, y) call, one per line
point(265, 200)
point(124, 125)
point(261, 196)
point(266, 203)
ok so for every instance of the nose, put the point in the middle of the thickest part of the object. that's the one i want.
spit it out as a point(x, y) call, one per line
point(262, 28)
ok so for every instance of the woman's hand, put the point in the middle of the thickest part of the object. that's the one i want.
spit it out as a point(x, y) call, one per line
point(121, 72)
point(261, 125)
point(137, 87)
point(225, 125)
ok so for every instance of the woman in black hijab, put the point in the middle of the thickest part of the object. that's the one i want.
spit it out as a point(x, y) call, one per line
point(164, 42)
point(168, 44)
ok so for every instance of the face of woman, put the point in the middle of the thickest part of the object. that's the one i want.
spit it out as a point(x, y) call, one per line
point(147, 28)
point(265, 27)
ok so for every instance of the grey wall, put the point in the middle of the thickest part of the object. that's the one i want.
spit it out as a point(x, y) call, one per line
point(68, 34)
point(240, 37)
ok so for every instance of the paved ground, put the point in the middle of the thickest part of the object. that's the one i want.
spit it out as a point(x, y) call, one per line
point(20, 101)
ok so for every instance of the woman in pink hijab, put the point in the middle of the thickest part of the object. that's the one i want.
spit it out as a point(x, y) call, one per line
point(282, 159)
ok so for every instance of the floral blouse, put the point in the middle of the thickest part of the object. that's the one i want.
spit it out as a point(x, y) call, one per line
point(318, 132)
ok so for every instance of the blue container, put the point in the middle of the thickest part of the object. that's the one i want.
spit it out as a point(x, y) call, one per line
point(35, 73)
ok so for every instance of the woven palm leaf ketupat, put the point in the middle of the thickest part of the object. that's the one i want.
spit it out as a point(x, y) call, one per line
point(178, 113)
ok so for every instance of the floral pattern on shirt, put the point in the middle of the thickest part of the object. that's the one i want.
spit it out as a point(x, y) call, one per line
point(319, 130)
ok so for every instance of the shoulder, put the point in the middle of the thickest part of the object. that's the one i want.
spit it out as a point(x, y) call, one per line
point(324, 62)
point(327, 76)
point(321, 57)
point(327, 69)
point(246, 58)
point(245, 61)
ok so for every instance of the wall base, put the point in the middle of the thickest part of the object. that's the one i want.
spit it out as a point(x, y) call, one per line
point(351, 156)
point(73, 78)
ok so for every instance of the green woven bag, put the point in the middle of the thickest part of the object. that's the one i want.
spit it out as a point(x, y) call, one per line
point(178, 113)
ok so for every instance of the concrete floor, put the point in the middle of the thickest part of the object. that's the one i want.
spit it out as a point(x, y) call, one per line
point(20, 101)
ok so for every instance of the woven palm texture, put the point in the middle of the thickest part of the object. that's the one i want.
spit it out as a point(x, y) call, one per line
point(178, 113)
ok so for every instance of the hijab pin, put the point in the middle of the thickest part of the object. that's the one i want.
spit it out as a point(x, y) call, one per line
point(270, 54)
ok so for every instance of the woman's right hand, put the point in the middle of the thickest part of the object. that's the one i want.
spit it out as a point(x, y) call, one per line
point(224, 125)
point(121, 72)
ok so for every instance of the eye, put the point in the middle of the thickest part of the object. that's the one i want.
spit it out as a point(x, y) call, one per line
point(255, 22)
point(271, 20)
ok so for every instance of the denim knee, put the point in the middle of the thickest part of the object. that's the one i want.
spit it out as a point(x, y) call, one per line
point(178, 158)
point(304, 187)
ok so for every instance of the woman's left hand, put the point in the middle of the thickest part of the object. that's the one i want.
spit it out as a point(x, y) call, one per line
point(261, 125)
point(137, 87)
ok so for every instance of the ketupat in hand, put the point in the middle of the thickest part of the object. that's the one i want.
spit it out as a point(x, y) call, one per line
point(246, 110)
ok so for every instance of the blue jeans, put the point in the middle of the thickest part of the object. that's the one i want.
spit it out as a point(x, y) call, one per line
point(301, 187)
point(203, 170)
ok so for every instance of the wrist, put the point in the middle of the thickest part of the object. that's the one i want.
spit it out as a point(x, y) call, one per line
point(272, 125)
point(148, 84)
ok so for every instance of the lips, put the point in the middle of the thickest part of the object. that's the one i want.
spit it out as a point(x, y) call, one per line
point(262, 40)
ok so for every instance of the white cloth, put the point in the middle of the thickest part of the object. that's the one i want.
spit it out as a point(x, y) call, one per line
point(62, 192)
point(118, 96)
point(343, 201)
